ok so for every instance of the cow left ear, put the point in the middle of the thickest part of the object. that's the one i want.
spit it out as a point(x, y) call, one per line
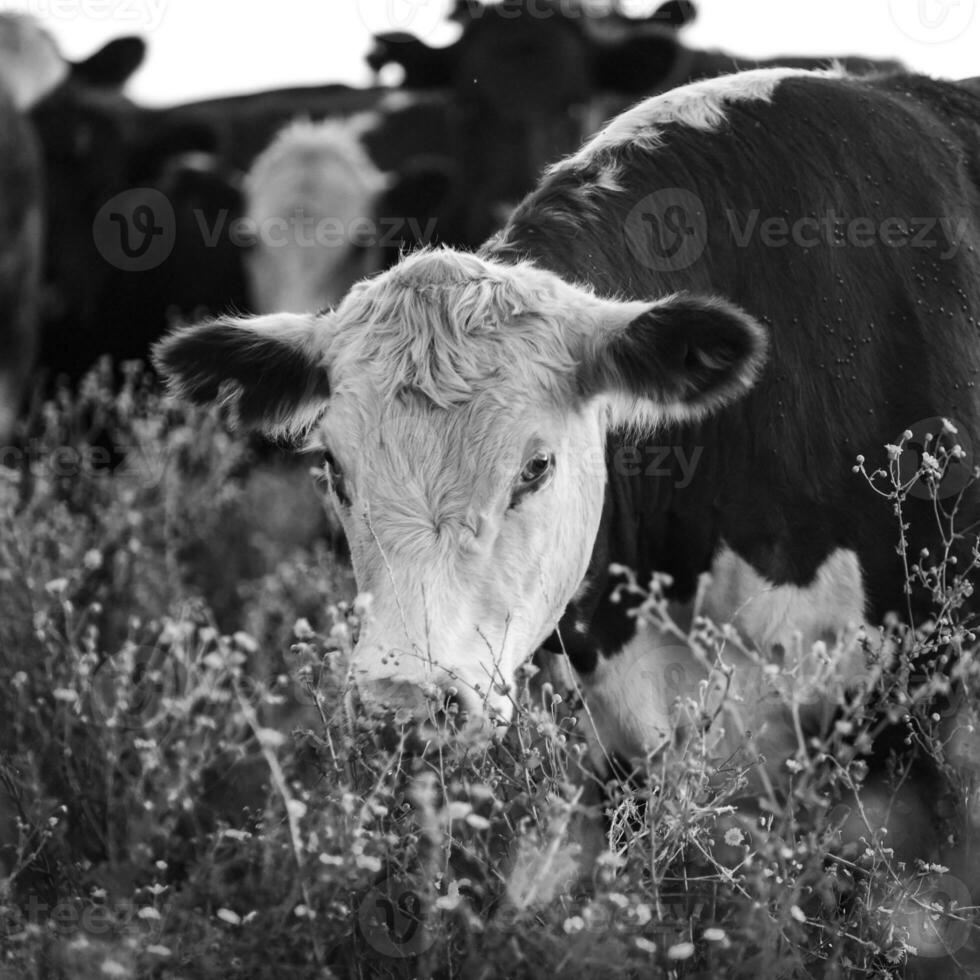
point(270, 368)
point(680, 358)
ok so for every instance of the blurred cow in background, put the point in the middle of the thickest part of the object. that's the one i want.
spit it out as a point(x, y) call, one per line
point(533, 80)
point(311, 202)
point(30, 65)
point(323, 214)
point(104, 155)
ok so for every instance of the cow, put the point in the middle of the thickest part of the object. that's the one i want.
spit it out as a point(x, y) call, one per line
point(322, 215)
point(534, 78)
point(734, 272)
point(30, 65)
point(108, 163)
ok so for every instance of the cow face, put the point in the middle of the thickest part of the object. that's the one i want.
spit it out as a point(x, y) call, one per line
point(312, 207)
point(30, 63)
point(463, 406)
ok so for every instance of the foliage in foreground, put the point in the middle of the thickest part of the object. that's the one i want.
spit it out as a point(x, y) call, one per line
point(183, 796)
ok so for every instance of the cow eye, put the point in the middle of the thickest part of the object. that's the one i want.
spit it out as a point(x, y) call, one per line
point(534, 474)
point(335, 479)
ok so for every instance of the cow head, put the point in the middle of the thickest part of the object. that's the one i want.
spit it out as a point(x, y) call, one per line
point(324, 216)
point(524, 74)
point(463, 406)
point(30, 63)
point(311, 203)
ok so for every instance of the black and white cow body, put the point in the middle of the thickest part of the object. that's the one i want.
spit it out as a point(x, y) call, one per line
point(740, 274)
point(867, 337)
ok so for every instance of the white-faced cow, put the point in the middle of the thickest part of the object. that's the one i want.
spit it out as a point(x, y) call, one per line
point(740, 272)
point(322, 214)
point(311, 204)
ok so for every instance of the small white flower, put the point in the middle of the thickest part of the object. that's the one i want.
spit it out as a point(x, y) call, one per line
point(681, 951)
point(573, 925)
point(227, 915)
point(714, 935)
point(797, 913)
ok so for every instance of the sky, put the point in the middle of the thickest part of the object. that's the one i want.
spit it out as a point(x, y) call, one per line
point(199, 48)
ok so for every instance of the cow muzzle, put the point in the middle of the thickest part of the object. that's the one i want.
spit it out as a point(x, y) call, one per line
point(409, 709)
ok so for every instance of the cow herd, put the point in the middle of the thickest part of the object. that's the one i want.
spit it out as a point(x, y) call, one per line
point(731, 268)
point(157, 216)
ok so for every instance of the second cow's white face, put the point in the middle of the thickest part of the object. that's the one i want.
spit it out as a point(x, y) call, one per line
point(311, 204)
point(464, 407)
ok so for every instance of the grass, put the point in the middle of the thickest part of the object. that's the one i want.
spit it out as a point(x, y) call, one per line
point(183, 796)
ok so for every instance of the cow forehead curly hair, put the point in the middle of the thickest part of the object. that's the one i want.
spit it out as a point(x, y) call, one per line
point(454, 327)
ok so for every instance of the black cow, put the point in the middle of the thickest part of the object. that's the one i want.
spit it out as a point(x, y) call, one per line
point(116, 182)
point(533, 78)
point(20, 257)
point(740, 271)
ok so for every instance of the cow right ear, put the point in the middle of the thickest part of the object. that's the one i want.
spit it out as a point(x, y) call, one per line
point(271, 369)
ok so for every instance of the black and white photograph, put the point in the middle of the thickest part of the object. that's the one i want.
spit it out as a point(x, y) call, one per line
point(489, 489)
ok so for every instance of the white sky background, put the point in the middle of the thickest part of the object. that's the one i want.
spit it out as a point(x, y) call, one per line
point(199, 48)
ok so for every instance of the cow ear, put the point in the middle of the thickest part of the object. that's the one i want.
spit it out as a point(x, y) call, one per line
point(675, 14)
point(113, 64)
point(639, 64)
point(271, 368)
point(679, 358)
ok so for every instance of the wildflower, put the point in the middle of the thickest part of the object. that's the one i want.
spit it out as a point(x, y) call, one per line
point(797, 913)
point(227, 915)
point(573, 925)
point(645, 945)
point(734, 837)
point(714, 935)
point(680, 951)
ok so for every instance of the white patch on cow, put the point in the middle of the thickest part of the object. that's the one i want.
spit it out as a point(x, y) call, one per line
point(790, 616)
point(311, 204)
point(30, 63)
point(636, 697)
point(700, 105)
